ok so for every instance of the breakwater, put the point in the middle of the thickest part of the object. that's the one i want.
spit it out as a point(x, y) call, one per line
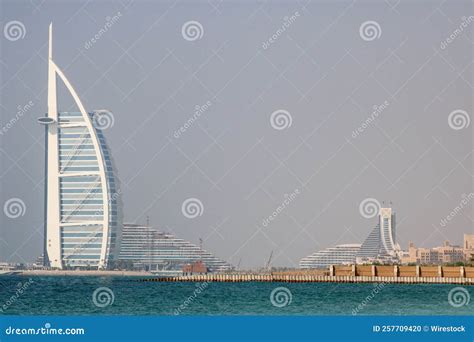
point(343, 274)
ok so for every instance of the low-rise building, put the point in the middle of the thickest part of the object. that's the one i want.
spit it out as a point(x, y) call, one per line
point(433, 256)
point(195, 267)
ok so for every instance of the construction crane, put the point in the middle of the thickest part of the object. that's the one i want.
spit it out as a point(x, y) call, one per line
point(200, 249)
point(267, 266)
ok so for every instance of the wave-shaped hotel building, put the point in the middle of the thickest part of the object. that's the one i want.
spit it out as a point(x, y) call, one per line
point(338, 255)
point(148, 248)
point(381, 243)
point(379, 246)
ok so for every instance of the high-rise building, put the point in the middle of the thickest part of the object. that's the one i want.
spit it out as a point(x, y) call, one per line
point(148, 248)
point(381, 243)
point(379, 246)
point(338, 255)
point(82, 200)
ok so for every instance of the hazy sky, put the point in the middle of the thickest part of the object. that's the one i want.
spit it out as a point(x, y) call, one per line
point(320, 65)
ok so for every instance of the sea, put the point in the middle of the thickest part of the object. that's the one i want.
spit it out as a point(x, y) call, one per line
point(91, 295)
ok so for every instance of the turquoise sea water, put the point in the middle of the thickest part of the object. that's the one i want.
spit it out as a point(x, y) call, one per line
point(70, 295)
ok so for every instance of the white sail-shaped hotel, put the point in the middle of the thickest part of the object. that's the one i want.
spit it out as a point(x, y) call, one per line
point(82, 202)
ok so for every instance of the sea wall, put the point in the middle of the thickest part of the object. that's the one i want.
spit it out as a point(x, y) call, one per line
point(344, 274)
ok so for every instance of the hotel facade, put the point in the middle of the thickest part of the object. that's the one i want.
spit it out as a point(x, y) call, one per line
point(338, 255)
point(379, 246)
point(146, 247)
point(82, 200)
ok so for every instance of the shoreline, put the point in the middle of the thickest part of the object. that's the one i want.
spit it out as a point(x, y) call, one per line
point(245, 277)
point(75, 273)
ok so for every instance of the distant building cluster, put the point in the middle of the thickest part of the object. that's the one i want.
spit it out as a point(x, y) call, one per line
point(440, 255)
point(381, 247)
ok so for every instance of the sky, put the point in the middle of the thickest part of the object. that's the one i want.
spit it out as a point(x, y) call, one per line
point(284, 122)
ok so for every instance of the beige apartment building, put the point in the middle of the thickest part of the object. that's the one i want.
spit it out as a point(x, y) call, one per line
point(468, 246)
point(440, 255)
